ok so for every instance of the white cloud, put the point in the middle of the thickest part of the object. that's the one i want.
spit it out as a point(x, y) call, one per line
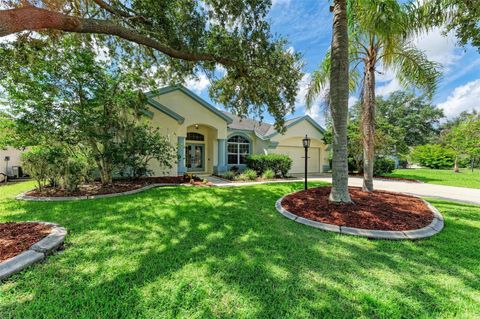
point(463, 98)
point(317, 110)
point(388, 88)
point(439, 48)
point(280, 2)
point(199, 84)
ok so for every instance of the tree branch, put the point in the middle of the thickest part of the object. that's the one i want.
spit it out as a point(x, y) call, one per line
point(35, 19)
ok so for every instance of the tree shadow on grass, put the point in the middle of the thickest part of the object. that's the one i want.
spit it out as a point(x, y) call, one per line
point(190, 252)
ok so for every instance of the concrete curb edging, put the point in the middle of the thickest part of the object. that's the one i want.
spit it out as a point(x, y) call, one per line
point(24, 196)
point(433, 228)
point(35, 253)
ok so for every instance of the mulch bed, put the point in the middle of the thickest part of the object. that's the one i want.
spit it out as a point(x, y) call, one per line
point(17, 237)
point(379, 210)
point(400, 179)
point(118, 186)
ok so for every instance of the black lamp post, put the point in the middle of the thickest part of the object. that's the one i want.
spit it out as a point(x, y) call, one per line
point(306, 145)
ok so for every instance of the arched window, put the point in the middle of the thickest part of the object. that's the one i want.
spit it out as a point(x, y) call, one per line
point(238, 148)
point(192, 136)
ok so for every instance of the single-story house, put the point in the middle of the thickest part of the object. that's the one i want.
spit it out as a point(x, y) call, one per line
point(211, 141)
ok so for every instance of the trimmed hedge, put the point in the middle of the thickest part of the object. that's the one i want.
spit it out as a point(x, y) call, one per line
point(280, 164)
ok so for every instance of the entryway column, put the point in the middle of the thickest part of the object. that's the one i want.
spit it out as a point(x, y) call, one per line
point(181, 156)
point(221, 167)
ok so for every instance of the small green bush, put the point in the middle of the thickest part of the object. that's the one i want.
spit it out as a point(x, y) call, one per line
point(383, 166)
point(55, 166)
point(248, 175)
point(229, 175)
point(433, 156)
point(278, 163)
point(268, 174)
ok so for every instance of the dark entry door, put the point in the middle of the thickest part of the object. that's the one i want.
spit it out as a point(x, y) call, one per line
point(195, 157)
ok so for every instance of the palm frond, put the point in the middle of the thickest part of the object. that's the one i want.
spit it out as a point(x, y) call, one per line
point(318, 82)
point(413, 68)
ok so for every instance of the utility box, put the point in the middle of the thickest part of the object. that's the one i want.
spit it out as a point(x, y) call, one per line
point(17, 171)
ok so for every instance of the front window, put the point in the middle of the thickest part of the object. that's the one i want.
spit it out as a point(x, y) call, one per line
point(238, 148)
point(192, 136)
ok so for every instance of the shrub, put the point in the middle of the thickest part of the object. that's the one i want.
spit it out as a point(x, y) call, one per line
point(248, 175)
point(268, 174)
point(74, 172)
point(383, 166)
point(56, 166)
point(433, 156)
point(229, 175)
point(278, 163)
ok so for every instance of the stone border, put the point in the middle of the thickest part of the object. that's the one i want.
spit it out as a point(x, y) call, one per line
point(435, 226)
point(35, 253)
point(24, 196)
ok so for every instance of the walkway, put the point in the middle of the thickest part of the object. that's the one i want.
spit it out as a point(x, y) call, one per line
point(459, 194)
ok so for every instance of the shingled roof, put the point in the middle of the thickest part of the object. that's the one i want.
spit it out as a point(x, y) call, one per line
point(261, 128)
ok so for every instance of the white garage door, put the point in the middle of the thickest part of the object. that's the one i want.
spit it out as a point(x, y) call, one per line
point(297, 154)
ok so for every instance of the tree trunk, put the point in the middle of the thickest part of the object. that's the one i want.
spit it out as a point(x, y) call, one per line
point(368, 125)
point(455, 165)
point(339, 103)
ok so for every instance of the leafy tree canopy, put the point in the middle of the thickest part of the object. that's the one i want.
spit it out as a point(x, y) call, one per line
point(250, 69)
point(460, 16)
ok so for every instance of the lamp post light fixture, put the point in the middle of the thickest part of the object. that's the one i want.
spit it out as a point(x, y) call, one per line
point(306, 145)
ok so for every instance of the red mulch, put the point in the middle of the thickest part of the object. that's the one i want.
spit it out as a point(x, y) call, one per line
point(400, 179)
point(17, 237)
point(118, 186)
point(379, 210)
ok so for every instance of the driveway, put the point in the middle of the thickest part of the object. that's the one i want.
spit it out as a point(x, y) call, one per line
point(459, 194)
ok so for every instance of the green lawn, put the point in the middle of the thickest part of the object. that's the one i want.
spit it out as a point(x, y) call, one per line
point(465, 178)
point(226, 253)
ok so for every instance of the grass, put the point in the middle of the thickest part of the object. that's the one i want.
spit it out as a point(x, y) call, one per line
point(465, 178)
point(184, 252)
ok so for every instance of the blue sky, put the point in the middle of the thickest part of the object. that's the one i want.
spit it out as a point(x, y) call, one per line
point(307, 25)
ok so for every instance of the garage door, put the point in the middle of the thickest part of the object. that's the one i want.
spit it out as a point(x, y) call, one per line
point(297, 154)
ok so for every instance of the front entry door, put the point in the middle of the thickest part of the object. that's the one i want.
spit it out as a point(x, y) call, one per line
point(194, 157)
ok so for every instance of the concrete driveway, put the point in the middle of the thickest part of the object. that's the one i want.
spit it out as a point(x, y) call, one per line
point(458, 194)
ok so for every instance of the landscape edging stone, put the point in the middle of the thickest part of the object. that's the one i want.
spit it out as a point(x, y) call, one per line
point(35, 253)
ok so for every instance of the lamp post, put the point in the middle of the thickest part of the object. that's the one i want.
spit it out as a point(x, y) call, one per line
point(306, 145)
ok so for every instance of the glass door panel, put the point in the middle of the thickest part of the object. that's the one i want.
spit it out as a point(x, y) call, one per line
point(194, 157)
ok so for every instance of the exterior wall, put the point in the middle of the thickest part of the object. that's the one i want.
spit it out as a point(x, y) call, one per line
point(293, 138)
point(193, 112)
point(15, 160)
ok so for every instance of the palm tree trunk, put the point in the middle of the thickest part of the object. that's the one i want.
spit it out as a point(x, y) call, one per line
point(368, 126)
point(339, 103)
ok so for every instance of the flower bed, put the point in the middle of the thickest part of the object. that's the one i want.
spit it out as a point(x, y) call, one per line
point(379, 210)
point(118, 186)
point(17, 237)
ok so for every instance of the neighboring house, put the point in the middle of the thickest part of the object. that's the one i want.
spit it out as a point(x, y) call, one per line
point(211, 141)
point(14, 160)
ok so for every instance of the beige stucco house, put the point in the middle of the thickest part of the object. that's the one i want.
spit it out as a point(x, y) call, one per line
point(211, 141)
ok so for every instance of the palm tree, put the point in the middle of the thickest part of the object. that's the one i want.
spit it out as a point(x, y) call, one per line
point(380, 36)
point(339, 102)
